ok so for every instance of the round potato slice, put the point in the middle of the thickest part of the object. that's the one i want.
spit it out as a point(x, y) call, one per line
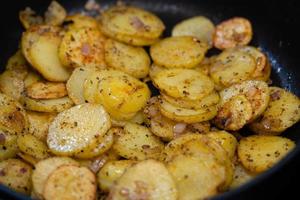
point(32, 77)
point(46, 90)
point(184, 83)
point(77, 128)
point(259, 153)
point(283, 111)
point(199, 27)
point(131, 25)
point(16, 175)
point(63, 183)
point(18, 64)
point(131, 60)
point(44, 168)
point(154, 70)
point(8, 145)
point(232, 32)
point(11, 84)
point(148, 179)
point(78, 21)
point(241, 176)
point(178, 52)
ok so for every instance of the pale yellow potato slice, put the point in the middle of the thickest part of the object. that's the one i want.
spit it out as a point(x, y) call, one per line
point(77, 128)
point(260, 153)
point(32, 77)
point(90, 87)
point(178, 52)
point(148, 179)
point(241, 176)
point(154, 70)
point(46, 90)
point(11, 84)
point(138, 118)
point(55, 14)
point(28, 18)
point(8, 145)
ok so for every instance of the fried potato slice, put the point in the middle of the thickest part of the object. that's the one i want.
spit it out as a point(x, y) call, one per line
point(44, 169)
point(148, 179)
point(63, 183)
point(233, 32)
point(17, 63)
point(32, 77)
point(55, 14)
point(154, 70)
point(11, 84)
point(198, 26)
point(259, 153)
point(137, 143)
point(178, 52)
point(283, 111)
point(8, 145)
point(46, 90)
point(131, 60)
point(77, 128)
point(16, 175)
point(28, 18)
point(78, 21)
point(184, 83)
point(241, 176)
point(138, 118)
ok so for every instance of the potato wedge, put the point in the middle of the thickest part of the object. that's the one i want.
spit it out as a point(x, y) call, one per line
point(63, 183)
point(46, 105)
point(233, 32)
point(16, 175)
point(241, 176)
point(283, 111)
point(131, 60)
point(148, 179)
point(44, 169)
point(138, 143)
point(55, 14)
point(184, 83)
point(28, 18)
point(8, 145)
point(11, 84)
point(77, 128)
point(46, 90)
point(78, 21)
point(259, 153)
point(40, 46)
point(111, 172)
point(82, 47)
point(199, 27)
point(178, 52)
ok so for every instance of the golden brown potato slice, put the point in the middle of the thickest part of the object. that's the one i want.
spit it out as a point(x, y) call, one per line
point(184, 83)
point(18, 64)
point(46, 90)
point(199, 27)
point(131, 60)
point(28, 18)
point(148, 179)
point(206, 64)
point(78, 21)
point(77, 128)
point(82, 47)
point(55, 14)
point(178, 52)
point(44, 169)
point(32, 77)
point(232, 32)
point(111, 172)
point(259, 153)
point(131, 25)
point(8, 145)
point(241, 176)
point(283, 111)
point(63, 183)
point(16, 175)
point(138, 143)
point(27, 158)
point(11, 84)
point(154, 70)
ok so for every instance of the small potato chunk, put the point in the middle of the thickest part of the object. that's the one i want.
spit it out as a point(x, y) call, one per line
point(44, 169)
point(199, 27)
point(233, 32)
point(241, 176)
point(77, 128)
point(16, 175)
point(282, 112)
point(131, 25)
point(78, 21)
point(131, 60)
point(138, 143)
point(28, 144)
point(82, 47)
point(178, 52)
point(55, 14)
point(70, 182)
point(11, 84)
point(148, 179)
point(111, 172)
point(46, 90)
point(259, 153)
point(8, 145)
point(184, 83)
point(28, 18)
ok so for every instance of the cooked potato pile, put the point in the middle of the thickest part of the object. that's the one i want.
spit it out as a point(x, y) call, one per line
point(78, 120)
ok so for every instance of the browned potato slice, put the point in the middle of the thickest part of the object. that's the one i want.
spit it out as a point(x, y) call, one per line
point(46, 90)
point(178, 52)
point(184, 83)
point(55, 14)
point(13, 118)
point(8, 145)
point(137, 143)
point(28, 18)
point(63, 183)
point(138, 118)
point(32, 77)
point(154, 70)
point(82, 47)
point(163, 127)
point(241, 176)
point(78, 128)
point(17, 63)
point(11, 84)
point(232, 32)
point(283, 111)
point(132, 60)
point(44, 169)
point(199, 27)
point(206, 64)
point(131, 25)
point(148, 179)
point(27, 158)
point(78, 21)
point(259, 153)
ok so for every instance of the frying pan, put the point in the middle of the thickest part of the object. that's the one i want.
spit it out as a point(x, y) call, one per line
point(276, 32)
